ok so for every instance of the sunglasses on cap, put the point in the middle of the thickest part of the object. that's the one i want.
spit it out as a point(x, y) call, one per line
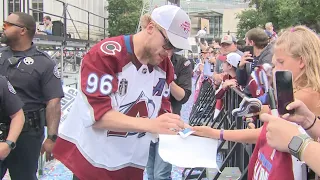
point(168, 45)
point(7, 24)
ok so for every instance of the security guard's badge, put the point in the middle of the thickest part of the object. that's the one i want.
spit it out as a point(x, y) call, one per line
point(56, 72)
point(11, 89)
point(123, 87)
point(28, 61)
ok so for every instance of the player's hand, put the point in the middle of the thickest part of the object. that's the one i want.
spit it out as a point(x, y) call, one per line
point(245, 59)
point(279, 132)
point(4, 150)
point(302, 115)
point(47, 147)
point(206, 131)
point(167, 123)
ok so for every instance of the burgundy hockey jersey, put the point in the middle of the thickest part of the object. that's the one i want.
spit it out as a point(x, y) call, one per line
point(111, 77)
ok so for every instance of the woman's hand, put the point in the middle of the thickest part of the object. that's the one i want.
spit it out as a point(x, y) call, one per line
point(302, 115)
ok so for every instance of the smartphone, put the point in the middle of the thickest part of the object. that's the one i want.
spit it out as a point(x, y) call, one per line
point(283, 86)
point(250, 50)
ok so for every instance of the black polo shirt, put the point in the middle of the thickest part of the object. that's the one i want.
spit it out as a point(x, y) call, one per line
point(33, 74)
point(182, 77)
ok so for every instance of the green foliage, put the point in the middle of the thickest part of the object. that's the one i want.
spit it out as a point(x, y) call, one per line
point(282, 13)
point(123, 16)
point(248, 19)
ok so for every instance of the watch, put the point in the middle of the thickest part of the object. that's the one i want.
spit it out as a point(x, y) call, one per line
point(52, 137)
point(297, 143)
point(11, 144)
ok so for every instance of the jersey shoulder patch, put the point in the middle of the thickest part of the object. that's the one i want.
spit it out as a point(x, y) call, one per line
point(11, 88)
point(110, 47)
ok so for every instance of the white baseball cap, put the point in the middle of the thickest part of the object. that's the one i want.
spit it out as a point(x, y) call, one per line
point(233, 59)
point(176, 22)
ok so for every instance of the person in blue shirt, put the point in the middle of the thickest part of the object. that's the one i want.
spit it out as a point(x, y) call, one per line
point(45, 27)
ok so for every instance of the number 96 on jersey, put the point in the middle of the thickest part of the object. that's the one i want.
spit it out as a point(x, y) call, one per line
point(96, 84)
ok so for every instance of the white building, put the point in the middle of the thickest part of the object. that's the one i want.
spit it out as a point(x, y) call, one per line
point(55, 7)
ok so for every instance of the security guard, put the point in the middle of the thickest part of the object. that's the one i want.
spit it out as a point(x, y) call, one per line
point(180, 90)
point(11, 119)
point(37, 81)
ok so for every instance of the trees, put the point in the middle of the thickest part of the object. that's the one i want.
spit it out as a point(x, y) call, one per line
point(282, 13)
point(124, 16)
point(248, 20)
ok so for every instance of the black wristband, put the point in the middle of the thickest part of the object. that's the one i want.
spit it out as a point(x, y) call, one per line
point(315, 119)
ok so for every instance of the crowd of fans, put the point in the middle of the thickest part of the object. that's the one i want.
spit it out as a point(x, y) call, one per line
point(296, 49)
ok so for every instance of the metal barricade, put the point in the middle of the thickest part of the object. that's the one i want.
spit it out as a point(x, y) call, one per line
point(233, 154)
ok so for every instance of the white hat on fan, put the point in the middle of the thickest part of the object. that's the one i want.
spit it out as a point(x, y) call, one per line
point(233, 59)
point(176, 22)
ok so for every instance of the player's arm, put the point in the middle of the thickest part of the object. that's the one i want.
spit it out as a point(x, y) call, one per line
point(13, 107)
point(98, 84)
point(116, 121)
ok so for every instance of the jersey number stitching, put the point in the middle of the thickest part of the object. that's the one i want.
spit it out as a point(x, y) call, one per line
point(104, 84)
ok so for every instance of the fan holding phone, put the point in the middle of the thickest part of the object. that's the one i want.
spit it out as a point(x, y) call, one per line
point(284, 91)
point(257, 51)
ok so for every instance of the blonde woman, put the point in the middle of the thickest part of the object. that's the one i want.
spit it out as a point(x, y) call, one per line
point(296, 50)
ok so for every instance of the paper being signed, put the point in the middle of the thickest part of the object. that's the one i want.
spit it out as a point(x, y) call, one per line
point(189, 152)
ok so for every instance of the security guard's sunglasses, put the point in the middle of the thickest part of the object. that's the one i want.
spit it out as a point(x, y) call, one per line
point(168, 45)
point(7, 24)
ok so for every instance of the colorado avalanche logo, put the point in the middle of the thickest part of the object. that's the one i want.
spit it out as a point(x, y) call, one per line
point(141, 107)
point(110, 47)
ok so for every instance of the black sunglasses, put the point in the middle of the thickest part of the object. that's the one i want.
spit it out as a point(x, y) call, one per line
point(6, 24)
point(168, 45)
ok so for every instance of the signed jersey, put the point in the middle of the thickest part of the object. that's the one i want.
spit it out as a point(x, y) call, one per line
point(111, 77)
point(267, 163)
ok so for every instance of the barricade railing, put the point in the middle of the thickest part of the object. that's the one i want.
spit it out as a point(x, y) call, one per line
point(202, 114)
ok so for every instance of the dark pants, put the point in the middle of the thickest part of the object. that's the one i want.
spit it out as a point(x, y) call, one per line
point(22, 162)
